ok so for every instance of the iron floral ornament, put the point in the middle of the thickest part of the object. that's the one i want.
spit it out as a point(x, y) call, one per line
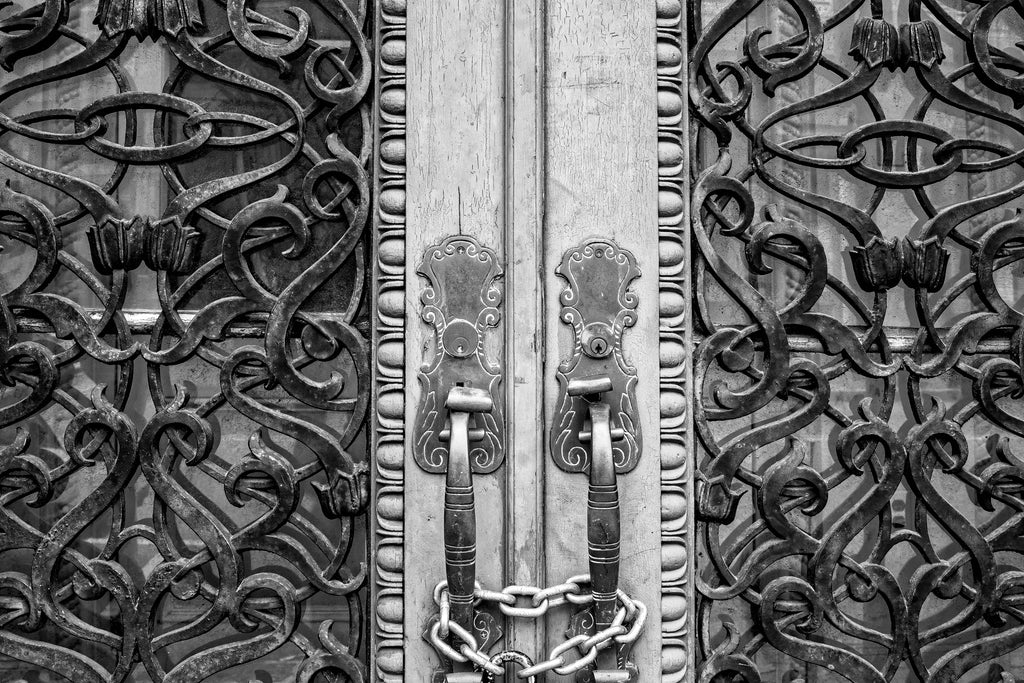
point(925, 263)
point(122, 244)
point(875, 42)
point(116, 244)
point(148, 18)
point(878, 265)
point(169, 245)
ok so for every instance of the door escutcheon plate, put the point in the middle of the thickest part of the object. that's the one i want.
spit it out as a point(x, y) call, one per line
point(598, 305)
point(462, 302)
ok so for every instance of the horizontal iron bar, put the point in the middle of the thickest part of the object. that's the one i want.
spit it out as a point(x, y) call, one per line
point(901, 341)
point(142, 322)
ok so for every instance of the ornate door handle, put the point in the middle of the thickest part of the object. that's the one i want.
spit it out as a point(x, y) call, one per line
point(459, 504)
point(603, 528)
point(598, 305)
point(596, 430)
point(462, 632)
point(462, 302)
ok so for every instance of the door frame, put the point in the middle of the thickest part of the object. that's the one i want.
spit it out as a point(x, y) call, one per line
point(677, 345)
point(394, 270)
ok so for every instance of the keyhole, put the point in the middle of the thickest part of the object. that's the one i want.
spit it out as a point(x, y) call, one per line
point(596, 339)
point(460, 338)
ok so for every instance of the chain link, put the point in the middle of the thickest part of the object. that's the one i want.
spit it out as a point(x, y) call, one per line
point(532, 602)
point(535, 612)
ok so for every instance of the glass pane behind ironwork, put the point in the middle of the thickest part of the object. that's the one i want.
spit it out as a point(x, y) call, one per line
point(184, 370)
point(859, 304)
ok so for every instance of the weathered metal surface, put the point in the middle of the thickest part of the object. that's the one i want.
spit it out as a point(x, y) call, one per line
point(859, 501)
point(603, 533)
point(462, 302)
point(142, 541)
point(603, 526)
point(598, 304)
point(584, 642)
point(459, 503)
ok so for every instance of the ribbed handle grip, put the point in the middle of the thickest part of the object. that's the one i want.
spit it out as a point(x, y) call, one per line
point(603, 528)
point(459, 505)
point(460, 524)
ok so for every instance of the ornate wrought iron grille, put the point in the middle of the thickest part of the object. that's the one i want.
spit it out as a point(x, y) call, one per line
point(860, 487)
point(184, 364)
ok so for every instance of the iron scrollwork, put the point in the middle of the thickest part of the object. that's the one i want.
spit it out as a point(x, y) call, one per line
point(858, 384)
point(136, 538)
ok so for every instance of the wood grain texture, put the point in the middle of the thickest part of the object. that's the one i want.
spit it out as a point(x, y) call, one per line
point(524, 212)
point(456, 136)
point(601, 182)
point(534, 130)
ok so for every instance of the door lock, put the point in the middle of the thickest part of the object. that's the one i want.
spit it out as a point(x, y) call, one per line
point(599, 306)
point(462, 302)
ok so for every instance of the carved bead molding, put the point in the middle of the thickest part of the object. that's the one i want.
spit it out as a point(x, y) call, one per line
point(674, 316)
point(389, 341)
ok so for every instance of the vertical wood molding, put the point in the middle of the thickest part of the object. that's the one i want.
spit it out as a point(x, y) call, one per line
point(675, 354)
point(526, 463)
point(389, 433)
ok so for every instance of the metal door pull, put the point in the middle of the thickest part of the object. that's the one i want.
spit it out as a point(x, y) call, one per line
point(459, 503)
point(603, 527)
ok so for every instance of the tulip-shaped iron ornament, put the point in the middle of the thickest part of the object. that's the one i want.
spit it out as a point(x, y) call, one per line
point(924, 263)
point(148, 18)
point(920, 45)
point(878, 264)
point(116, 243)
point(875, 42)
point(122, 244)
point(345, 495)
point(170, 245)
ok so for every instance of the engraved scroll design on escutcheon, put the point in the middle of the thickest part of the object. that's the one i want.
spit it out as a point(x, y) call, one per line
point(598, 304)
point(462, 302)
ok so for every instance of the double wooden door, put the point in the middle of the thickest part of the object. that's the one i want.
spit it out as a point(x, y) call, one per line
point(531, 238)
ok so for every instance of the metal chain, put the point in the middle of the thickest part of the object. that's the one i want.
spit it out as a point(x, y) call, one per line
point(532, 602)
